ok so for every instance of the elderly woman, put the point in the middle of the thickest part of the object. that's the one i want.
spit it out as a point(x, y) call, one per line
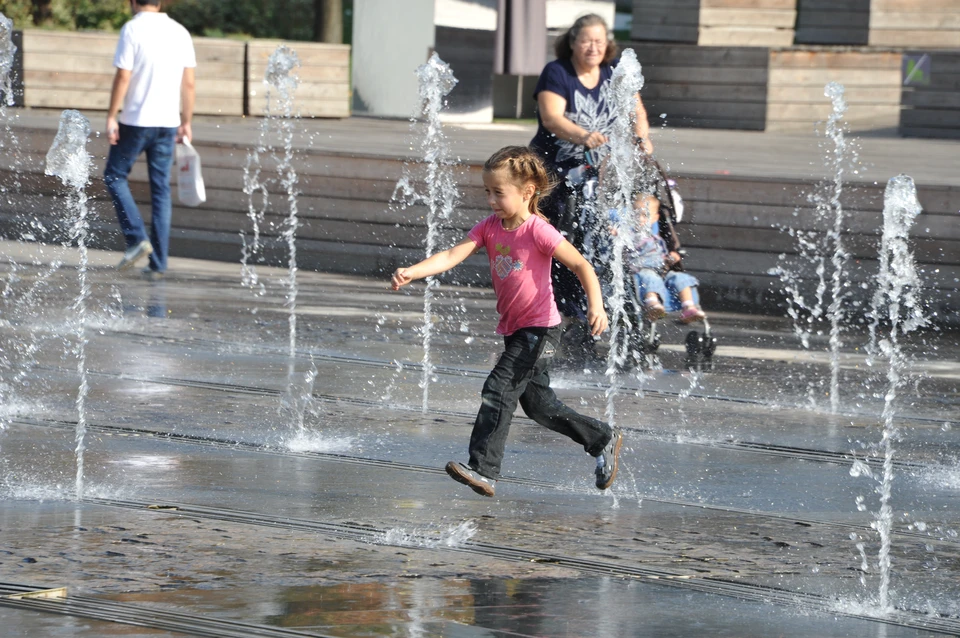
point(575, 115)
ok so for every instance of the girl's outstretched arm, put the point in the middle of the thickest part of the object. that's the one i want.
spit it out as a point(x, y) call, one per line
point(570, 257)
point(435, 264)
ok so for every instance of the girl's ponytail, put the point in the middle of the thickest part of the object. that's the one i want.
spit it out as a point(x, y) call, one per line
point(523, 165)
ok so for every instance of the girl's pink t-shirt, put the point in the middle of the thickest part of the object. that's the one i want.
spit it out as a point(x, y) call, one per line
point(520, 262)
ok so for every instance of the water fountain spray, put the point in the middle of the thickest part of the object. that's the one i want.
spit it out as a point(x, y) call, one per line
point(616, 192)
point(436, 80)
point(7, 52)
point(896, 303)
point(839, 256)
point(281, 75)
point(826, 256)
point(69, 160)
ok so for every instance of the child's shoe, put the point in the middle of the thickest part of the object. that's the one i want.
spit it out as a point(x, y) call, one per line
point(691, 314)
point(608, 460)
point(653, 309)
point(471, 478)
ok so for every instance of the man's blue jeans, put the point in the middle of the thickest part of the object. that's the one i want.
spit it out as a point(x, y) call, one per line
point(158, 143)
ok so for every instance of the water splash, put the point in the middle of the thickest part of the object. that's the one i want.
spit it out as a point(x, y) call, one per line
point(297, 401)
point(451, 536)
point(895, 303)
point(436, 80)
point(69, 160)
point(616, 192)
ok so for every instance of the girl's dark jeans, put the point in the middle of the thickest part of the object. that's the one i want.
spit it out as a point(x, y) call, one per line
point(521, 375)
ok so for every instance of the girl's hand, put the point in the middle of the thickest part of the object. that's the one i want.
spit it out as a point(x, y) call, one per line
point(401, 278)
point(597, 320)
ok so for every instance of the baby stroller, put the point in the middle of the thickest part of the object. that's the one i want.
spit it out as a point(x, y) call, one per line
point(639, 337)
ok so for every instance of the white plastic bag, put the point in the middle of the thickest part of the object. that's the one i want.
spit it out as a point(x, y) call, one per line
point(190, 188)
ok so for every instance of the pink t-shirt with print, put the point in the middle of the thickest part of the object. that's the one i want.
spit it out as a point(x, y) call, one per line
point(520, 262)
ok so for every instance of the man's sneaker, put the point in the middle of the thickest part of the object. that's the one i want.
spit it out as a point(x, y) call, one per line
point(607, 461)
point(689, 315)
point(135, 254)
point(463, 474)
point(151, 275)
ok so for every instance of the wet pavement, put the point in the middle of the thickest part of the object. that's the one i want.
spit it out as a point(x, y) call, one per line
point(231, 490)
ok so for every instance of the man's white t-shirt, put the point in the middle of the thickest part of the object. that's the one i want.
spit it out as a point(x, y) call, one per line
point(155, 49)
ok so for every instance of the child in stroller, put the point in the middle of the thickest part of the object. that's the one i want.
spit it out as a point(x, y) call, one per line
point(652, 253)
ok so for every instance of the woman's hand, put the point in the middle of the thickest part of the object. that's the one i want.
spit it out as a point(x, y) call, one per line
point(400, 278)
point(593, 139)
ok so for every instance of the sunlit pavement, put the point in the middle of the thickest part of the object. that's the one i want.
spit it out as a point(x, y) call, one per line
point(231, 490)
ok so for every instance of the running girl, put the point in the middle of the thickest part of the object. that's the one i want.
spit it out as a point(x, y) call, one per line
point(520, 244)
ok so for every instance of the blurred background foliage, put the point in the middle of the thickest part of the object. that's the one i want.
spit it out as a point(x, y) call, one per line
point(281, 19)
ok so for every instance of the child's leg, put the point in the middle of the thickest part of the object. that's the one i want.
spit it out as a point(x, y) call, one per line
point(652, 292)
point(541, 404)
point(684, 288)
point(501, 393)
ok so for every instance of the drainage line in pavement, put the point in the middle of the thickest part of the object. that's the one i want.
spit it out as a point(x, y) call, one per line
point(475, 373)
point(806, 454)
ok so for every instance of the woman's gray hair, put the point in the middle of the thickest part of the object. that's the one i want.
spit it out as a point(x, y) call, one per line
point(564, 45)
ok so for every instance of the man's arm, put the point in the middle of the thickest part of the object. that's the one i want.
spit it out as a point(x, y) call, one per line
point(121, 82)
point(188, 92)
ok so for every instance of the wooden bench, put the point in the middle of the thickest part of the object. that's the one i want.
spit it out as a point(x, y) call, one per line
point(795, 93)
point(710, 87)
point(715, 22)
point(324, 73)
point(75, 70)
point(735, 226)
point(833, 22)
point(756, 88)
point(908, 23)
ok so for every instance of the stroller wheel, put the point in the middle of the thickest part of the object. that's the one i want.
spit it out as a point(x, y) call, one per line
point(694, 343)
point(654, 344)
point(709, 345)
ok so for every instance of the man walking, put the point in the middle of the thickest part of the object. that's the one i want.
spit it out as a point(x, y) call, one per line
point(155, 64)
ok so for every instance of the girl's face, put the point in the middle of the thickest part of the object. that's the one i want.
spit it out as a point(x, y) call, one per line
point(590, 46)
point(508, 200)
